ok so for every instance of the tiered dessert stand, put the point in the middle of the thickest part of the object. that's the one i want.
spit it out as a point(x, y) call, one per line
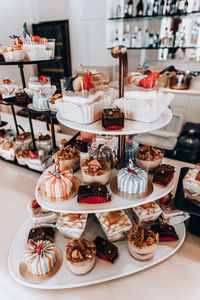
point(102, 271)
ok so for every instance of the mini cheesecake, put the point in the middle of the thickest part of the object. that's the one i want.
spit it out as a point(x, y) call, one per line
point(71, 225)
point(68, 158)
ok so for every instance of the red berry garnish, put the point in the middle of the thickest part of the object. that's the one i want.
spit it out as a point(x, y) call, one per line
point(35, 204)
point(32, 154)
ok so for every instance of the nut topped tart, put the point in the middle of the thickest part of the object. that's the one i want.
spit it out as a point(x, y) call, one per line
point(115, 224)
point(68, 158)
point(132, 180)
point(95, 170)
point(22, 156)
point(142, 243)
point(148, 157)
point(71, 225)
point(80, 255)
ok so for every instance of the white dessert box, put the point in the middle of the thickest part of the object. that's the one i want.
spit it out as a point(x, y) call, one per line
point(40, 216)
point(71, 225)
point(8, 154)
point(115, 224)
point(146, 213)
point(12, 56)
point(144, 106)
point(35, 84)
point(191, 184)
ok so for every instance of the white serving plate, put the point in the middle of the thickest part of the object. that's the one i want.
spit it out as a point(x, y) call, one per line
point(102, 271)
point(130, 127)
point(117, 202)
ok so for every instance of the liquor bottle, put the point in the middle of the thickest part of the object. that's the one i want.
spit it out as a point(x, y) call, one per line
point(195, 6)
point(167, 8)
point(146, 39)
point(118, 10)
point(165, 39)
point(173, 7)
point(182, 37)
point(126, 10)
point(130, 8)
point(161, 7)
point(127, 37)
point(180, 8)
point(149, 10)
point(140, 8)
point(116, 39)
point(139, 38)
point(134, 37)
point(185, 7)
point(151, 39)
point(194, 34)
point(177, 38)
point(155, 8)
point(170, 39)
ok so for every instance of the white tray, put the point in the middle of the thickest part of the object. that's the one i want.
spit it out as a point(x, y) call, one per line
point(102, 271)
point(130, 127)
point(173, 129)
point(117, 202)
point(167, 143)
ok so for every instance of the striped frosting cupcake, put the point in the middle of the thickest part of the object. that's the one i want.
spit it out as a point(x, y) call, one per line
point(40, 257)
point(132, 180)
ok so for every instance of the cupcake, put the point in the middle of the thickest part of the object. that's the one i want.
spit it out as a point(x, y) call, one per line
point(95, 170)
point(148, 158)
point(22, 156)
point(80, 255)
point(142, 243)
point(68, 158)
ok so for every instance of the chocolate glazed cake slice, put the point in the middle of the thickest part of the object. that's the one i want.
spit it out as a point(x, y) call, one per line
point(106, 250)
point(112, 118)
point(93, 194)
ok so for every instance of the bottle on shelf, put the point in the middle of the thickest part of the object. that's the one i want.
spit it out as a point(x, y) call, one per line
point(155, 40)
point(140, 8)
point(161, 7)
point(151, 39)
point(139, 38)
point(173, 7)
point(155, 8)
point(195, 6)
point(194, 34)
point(180, 7)
point(118, 10)
point(165, 39)
point(116, 38)
point(126, 10)
point(149, 9)
point(182, 37)
point(146, 38)
point(170, 39)
point(130, 8)
point(127, 37)
point(177, 38)
point(134, 37)
point(185, 7)
point(167, 8)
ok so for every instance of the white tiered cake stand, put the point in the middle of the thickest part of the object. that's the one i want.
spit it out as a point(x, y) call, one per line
point(102, 271)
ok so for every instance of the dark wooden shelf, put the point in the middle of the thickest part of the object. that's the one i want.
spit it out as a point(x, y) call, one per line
point(30, 62)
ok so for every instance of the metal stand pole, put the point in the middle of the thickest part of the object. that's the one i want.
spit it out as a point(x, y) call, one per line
point(14, 117)
point(32, 132)
point(121, 53)
point(21, 66)
point(52, 132)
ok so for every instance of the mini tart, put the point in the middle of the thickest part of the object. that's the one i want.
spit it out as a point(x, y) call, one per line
point(142, 243)
point(148, 158)
point(95, 170)
point(68, 158)
point(80, 255)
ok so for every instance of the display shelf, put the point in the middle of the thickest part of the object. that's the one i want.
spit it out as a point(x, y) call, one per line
point(29, 62)
point(157, 48)
point(116, 203)
point(130, 127)
point(153, 17)
point(102, 271)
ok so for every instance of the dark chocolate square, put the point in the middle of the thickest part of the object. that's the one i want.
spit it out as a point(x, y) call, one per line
point(163, 174)
point(41, 233)
point(165, 231)
point(92, 190)
point(112, 117)
point(106, 249)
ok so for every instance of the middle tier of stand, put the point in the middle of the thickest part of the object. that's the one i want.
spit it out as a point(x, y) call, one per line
point(116, 203)
point(130, 127)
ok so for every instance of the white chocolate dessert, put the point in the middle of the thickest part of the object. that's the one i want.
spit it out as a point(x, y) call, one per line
point(115, 224)
point(39, 82)
point(142, 243)
point(68, 158)
point(146, 213)
point(80, 255)
point(95, 170)
point(41, 216)
point(71, 225)
point(8, 150)
point(191, 184)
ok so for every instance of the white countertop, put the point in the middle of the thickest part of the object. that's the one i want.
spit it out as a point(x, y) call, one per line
point(175, 278)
